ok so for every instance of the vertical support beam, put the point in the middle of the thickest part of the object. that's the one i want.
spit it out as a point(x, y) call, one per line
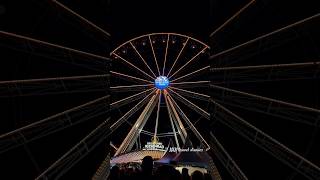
point(194, 130)
point(157, 118)
point(171, 122)
point(127, 144)
point(176, 119)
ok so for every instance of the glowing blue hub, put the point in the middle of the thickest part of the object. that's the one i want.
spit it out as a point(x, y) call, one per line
point(161, 82)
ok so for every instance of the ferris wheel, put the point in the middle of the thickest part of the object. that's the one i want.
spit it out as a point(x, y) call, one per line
point(159, 58)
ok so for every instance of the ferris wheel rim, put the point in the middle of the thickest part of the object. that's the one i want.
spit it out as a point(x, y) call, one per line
point(158, 33)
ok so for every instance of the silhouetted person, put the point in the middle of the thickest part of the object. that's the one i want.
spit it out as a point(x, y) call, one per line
point(185, 174)
point(164, 172)
point(176, 175)
point(114, 173)
point(167, 172)
point(173, 163)
point(146, 168)
point(197, 175)
point(207, 176)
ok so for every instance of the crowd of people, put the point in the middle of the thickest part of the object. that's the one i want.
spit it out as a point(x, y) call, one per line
point(149, 172)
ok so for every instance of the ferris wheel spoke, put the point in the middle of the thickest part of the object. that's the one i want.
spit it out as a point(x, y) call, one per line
point(266, 142)
point(157, 117)
point(144, 61)
point(133, 66)
point(273, 107)
point(46, 45)
point(57, 85)
point(165, 55)
point(158, 135)
point(154, 55)
point(165, 134)
point(131, 88)
point(263, 73)
point(80, 18)
point(53, 123)
point(77, 152)
point(131, 137)
point(178, 56)
point(128, 114)
point(264, 36)
point(232, 18)
point(130, 99)
point(193, 58)
point(147, 132)
point(231, 166)
point(191, 84)
point(113, 146)
point(191, 105)
point(176, 119)
point(192, 94)
point(129, 78)
point(172, 119)
point(188, 122)
point(193, 73)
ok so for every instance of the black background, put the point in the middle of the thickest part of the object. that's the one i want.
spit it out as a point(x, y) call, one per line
point(128, 19)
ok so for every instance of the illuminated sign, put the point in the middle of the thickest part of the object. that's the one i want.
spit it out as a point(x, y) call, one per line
point(154, 146)
point(175, 149)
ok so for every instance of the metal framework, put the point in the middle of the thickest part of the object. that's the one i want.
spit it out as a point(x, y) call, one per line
point(269, 106)
point(51, 86)
point(265, 73)
point(266, 142)
point(93, 62)
point(80, 18)
point(54, 123)
point(264, 36)
point(224, 157)
point(232, 18)
point(76, 153)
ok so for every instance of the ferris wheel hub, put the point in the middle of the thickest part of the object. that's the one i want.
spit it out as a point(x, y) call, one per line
point(161, 82)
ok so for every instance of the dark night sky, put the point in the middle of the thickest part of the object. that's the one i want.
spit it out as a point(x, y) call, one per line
point(128, 19)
